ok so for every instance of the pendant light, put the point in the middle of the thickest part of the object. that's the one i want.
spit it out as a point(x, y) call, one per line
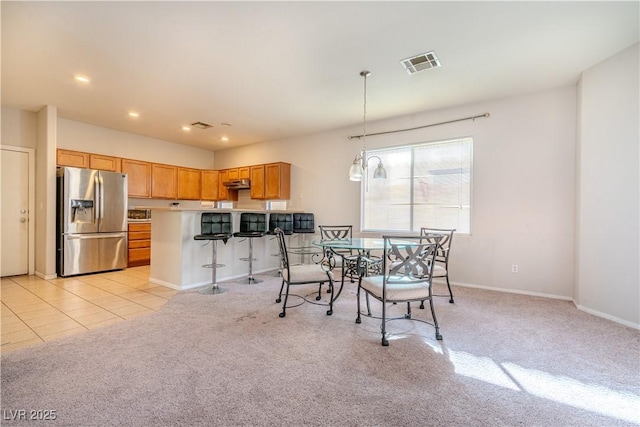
point(359, 166)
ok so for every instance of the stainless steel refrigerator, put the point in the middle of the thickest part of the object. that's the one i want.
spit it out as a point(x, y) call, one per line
point(91, 221)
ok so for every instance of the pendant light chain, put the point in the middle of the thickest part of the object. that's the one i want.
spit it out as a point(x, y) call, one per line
point(357, 171)
point(364, 74)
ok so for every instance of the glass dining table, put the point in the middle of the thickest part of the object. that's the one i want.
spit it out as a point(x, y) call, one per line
point(363, 244)
point(359, 261)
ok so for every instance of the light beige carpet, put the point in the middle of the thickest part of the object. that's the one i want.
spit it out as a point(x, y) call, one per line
point(229, 360)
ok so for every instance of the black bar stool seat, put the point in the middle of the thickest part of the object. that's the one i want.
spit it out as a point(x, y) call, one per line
point(283, 222)
point(214, 226)
point(303, 224)
point(252, 226)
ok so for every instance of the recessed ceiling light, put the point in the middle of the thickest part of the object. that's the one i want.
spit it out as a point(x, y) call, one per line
point(186, 128)
point(82, 79)
point(133, 114)
point(224, 138)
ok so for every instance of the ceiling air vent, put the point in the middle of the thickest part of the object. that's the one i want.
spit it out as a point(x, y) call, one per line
point(421, 62)
point(201, 125)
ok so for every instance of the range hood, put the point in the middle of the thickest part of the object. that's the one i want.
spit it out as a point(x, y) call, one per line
point(237, 184)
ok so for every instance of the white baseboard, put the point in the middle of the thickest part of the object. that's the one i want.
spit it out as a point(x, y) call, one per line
point(165, 284)
point(46, 276)
point(607, 316)
point(552, 296)
point(513, 291)
point(205, 283)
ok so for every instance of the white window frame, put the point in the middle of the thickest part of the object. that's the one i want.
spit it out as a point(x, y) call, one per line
point(414, 227)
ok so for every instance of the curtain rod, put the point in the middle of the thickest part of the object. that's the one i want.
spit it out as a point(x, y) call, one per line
point(421, 127)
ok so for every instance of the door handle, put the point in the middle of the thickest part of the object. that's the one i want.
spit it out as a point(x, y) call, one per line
point(23, 211)
point(23, 220)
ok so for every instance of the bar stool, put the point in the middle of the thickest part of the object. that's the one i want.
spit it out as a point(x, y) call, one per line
point(214, 226)
point(252, 225)
point(303, 223)
point(283, 221)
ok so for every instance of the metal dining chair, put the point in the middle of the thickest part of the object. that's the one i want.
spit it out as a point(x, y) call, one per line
point(407, 275)
point(346, 259)
point(301, 274)
point(441, 267)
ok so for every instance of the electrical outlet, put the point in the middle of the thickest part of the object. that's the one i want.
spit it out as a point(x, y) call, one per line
point(514, 268)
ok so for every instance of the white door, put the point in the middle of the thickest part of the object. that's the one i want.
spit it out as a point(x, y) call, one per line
point(15, 213)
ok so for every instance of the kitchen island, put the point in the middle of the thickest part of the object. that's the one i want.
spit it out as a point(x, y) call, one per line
point(177, 259)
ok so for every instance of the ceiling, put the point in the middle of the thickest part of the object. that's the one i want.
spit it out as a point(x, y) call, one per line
point(276, 70)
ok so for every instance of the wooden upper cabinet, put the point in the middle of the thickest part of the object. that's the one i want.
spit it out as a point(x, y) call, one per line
point(139, 177)
point(244, 172)
point(189, 184)
point(75, 159)
point(270, 181)
point(223, 192)
point(209, 185)
point(277, 181)
point(233, 174)
point(257, 182)
point(164, 181)
point(80, 159)
point(105, 163)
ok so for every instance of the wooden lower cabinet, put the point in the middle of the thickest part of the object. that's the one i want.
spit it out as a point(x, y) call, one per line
point(139, 249)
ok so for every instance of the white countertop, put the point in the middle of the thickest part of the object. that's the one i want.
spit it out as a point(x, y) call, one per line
point(212, 209)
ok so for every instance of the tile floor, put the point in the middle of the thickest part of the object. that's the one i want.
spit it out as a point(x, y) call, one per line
point(35, 310)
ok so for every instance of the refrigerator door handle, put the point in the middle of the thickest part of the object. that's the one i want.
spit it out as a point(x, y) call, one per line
point(95, 236)
point(101, 196)
point(96, 200)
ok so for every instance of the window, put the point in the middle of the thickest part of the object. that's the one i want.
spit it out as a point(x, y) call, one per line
point(427, 185)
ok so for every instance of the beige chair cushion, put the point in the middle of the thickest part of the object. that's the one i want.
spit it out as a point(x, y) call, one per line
point(405, 290)
point(307, 273)
point(439, 271)
point(346, 259)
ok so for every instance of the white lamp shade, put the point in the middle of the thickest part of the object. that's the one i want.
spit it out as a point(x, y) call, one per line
point(380, 172)
point(355, 172)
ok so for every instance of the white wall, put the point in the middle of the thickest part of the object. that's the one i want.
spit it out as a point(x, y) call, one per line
point(94, 139)
point(608, 213)
point(45, 253)
point(45, 132)
point(79, 136)
point(527, 173)
point(18, 128)
point(523, 185)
